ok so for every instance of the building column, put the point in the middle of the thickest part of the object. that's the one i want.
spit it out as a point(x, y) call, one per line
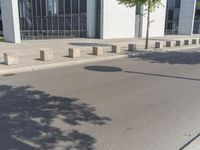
point(186, 18)
point(118, 21)
point(10, 19)
point(91, 18)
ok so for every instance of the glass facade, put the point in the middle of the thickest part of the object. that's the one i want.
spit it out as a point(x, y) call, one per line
point(48, 19)
point(196, 29)
point(98, 19)
point(1, 27)
point(172, 16)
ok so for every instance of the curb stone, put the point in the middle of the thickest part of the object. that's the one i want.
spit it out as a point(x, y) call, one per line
point(57, 65)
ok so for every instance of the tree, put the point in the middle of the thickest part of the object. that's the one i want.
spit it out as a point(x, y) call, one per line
point(198, 4)
point(150, 7)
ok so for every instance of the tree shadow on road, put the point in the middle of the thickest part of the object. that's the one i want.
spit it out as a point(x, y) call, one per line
point(27, 116)
point(183, 57)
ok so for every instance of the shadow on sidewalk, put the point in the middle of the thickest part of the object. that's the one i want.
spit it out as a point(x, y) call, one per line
point(189, 57)
point(28, 120)
point(91, 44)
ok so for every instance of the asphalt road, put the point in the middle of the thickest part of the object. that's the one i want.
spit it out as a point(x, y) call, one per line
point(148, 102)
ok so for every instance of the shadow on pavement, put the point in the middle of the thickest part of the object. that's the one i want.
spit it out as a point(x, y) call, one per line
point(189, 57)
point(28, 116)
point(91, 44)
point(103, 68)
point(161, 75)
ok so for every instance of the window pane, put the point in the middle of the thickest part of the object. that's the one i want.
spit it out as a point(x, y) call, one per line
point(53, 18)
point(61, 7)
point(75, 6)
point(67, 6)
point(177, 3)
point(83, 6)
point(170, 15)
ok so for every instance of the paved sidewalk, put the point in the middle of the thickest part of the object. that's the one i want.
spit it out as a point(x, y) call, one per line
point(193, 144)
point(29, 51)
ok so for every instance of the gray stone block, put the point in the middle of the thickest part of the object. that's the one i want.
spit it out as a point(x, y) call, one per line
point(179, 43)
point(46, 55)
point(116, 49)
point(132, 47)
point(97, 51)
point(194, 41)
point(11, 58)
point(158, 44)
point(169, 43)
point(187, 42)
point(74, 52)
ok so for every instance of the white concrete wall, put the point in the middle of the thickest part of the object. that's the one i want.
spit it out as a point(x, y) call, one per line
point(186, 18)
point(157, 27)
point(10, 17)
point(118, 21)
point(91, 15)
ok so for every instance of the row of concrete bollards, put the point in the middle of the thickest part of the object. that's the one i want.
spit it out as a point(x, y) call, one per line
point(12, 58)
point(161, 44)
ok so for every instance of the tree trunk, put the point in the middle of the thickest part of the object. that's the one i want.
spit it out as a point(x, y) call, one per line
point(148, 23)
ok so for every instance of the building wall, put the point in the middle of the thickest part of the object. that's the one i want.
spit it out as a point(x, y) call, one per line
point(186, 18)
point(158, 21)
point(10, 17)
point(118, 21)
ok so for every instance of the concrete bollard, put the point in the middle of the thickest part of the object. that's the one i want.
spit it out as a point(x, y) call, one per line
point(158, 45)
point(179, 43)
point(132, 47)
point(74, 52)
point(11, 58)
point(194, 41)
point(187, 42)
point(46, 55)
point(169, 43)
point(116, 49)
point(97, 51)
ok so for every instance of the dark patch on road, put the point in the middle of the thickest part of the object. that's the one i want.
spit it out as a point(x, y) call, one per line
point(8, 75)
point(103, 68)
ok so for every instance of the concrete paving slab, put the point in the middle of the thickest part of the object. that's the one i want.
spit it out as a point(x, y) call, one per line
point(29, 50)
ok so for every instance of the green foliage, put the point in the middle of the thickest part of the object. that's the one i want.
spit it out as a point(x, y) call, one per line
point(131, 3)
point(198, 4)
point(151, 5)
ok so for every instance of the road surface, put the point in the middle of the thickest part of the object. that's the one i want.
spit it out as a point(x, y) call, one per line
point(147, 102)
